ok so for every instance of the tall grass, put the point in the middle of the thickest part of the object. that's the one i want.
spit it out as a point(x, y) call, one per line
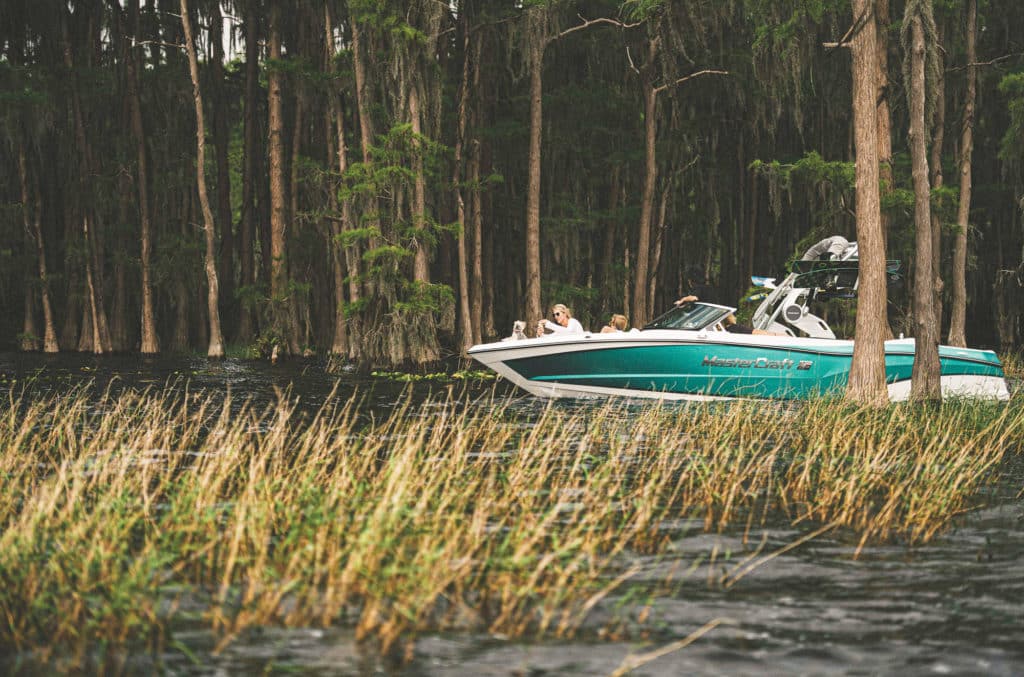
point(1013, 364)
point(117, 516)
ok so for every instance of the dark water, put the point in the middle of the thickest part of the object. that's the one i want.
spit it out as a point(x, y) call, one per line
point(955, 606)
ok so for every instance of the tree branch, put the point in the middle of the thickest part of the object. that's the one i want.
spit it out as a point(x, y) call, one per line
point(706, 71)
point(587, 23)
point(985, 63)
point(850, 33)
point(631, 64)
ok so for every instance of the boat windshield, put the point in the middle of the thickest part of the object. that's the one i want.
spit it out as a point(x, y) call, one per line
point(689, 316)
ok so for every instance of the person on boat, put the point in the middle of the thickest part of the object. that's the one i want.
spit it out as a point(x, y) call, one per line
point(697, 283)
point(564, 322)
point(616, 325)
point(732, 326)
point(828, 249)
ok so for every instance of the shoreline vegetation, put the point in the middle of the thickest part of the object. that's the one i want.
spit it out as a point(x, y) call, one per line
point(127, 515)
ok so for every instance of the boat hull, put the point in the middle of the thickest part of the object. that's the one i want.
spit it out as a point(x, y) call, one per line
point(717, 365)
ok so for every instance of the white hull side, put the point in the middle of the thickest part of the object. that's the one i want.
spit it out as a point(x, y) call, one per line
point(959, 385)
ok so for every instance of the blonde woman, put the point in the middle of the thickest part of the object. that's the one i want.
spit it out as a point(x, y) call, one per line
point(616, 325)
point(564, 322)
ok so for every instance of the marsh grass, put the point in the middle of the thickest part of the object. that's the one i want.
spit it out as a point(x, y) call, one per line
point(445, 515)
point(1013, 364)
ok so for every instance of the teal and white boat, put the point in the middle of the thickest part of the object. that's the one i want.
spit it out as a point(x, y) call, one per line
point(687, 354)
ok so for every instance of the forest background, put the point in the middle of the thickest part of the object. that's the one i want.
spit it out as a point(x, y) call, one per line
point(394, 181)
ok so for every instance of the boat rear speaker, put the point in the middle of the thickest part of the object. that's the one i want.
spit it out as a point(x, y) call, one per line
point(793, 312)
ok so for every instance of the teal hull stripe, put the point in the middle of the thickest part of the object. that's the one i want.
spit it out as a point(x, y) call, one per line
point(728, 370)
point(983, 357)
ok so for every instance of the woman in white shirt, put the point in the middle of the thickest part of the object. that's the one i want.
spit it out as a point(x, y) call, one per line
point(564, 322)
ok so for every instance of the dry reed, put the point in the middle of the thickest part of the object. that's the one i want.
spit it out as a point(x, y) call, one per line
point(452, 516)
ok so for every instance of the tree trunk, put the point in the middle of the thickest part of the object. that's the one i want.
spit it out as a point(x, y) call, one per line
point(656, 254)
point(476, 280)
point(884, 117)
point(958, 319)
point(534, 311)
point(221, 140)
point(926, 384)
point(340, 342)
point(91, 241)
point(935, 166)
point(867, 372)
point(351, 251)
point(295, 301)
point(86, 340)
point(150, 343)
point(216, 348)
point(180, 296)
point(246, 323)
point(278, 204)
point(421, 264)
point(1006, 290)
point(607, 263)
point(643, 246)
point(34, 230)
point(69, 329)
point(466, 330)
point(29, 333)
point(95, 305)
point(118, 318)
point(366, 143)
point(362, 98)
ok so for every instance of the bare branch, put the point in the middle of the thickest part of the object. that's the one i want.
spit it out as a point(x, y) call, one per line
point(706, 71)
point(143, 43)
point(587, 23)
point(985, 63)
point(629, 56)
point(850, 33)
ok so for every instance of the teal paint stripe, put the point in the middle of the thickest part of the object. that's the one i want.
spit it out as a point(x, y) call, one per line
point(718, 369)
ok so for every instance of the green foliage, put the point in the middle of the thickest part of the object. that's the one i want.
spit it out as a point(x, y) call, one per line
point(1011, 150)
point(386, 254)
point(355, 236)
point(827, 185)
point(780, 24)
point(425, 298)
point(388, 18)
point(641, 10)
point(463, 375)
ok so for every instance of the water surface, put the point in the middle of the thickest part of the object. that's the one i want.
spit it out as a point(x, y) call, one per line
point(953, 606)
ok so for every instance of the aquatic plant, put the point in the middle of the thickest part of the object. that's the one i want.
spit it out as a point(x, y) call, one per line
point(116, 514)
